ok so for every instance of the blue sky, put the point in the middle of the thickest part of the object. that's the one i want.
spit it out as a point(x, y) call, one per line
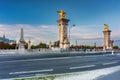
point(40, 15)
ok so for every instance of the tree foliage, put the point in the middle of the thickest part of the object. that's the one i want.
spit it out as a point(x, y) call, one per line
point(7, 46)
point(40, 45)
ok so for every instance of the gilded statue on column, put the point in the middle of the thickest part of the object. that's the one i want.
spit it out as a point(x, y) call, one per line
point(106, 27)
point(62, 14)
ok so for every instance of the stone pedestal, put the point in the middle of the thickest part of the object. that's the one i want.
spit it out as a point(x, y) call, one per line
point(107, 41)
point(63, 33)
point(29, 45)
point(50, 45)
point(21, 47)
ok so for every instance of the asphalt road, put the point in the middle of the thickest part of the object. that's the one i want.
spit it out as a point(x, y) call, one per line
point(17, 66)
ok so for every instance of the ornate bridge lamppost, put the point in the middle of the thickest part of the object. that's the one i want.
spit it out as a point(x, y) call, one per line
point(70, 33)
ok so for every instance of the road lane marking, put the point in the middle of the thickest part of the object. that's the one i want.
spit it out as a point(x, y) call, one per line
point(40, 74)
point(82, 67)
point(40, 59)
point(23, 72)
point(49, 58)
point(110, 63)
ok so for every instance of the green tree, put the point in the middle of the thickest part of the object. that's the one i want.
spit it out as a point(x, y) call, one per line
point(115, 47)
point(42, 45)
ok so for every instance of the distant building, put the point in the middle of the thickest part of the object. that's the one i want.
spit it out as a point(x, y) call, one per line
point(6, 40)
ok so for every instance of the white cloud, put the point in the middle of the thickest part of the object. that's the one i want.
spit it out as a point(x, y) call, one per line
point(45, 33)
point(87, 32)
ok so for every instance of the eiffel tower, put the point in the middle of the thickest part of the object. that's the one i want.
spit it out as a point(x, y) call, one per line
point(21, 41)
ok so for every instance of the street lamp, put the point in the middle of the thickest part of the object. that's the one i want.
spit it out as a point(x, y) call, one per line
point(69, 31)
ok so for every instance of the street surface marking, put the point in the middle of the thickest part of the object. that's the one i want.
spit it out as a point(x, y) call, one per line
point(48, 59)
point(39, 59)
point(110, 63)
point(23, 72)
point(82, 67)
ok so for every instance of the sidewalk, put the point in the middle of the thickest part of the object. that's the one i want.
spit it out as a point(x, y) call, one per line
point(112, 76)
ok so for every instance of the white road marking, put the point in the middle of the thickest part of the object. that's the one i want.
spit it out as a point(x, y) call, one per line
point(40, 74)
point(40, 59)
point(82, 67)
point(23, 72)
point(47, 59)
point(110, 63)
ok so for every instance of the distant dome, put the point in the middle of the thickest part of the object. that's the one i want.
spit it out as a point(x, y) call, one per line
point(29, 41)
